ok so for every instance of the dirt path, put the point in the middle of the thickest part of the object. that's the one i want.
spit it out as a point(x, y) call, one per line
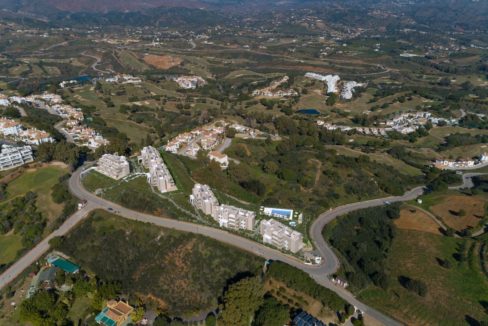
point(318, 173)
point(429, 214)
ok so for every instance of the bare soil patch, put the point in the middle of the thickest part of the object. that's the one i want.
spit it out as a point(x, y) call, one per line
point(460, 212)
point(415, 219)
point(162, 61)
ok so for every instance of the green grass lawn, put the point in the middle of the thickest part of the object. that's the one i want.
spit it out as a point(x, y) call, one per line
point(80, 308)
point(454, 295)
point(9, 246)
point(94, 180)
point(129, 60)
point(180, 173)
point(36, 181)
point(137, 195)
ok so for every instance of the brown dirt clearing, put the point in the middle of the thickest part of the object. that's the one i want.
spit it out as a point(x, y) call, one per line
point(414, 219)
point(162, 61)
point(450, 207)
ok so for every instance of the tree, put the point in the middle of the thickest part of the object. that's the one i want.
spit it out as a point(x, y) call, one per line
point(271, 167)
point(331, 100)
point(137, 314)
point(211, 320)
point(241, 301)
point(11, 112)
point(272, 313)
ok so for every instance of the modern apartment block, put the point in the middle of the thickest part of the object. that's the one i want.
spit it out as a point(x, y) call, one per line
point(227, 216)
point(281, 236)
point(203, 198)
point(159, 175)
point(232, 217)
point(113, 166)
point(12, 156)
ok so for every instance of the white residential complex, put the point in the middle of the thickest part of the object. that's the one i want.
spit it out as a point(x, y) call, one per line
point(227, 216)
point(12, 156)
point(159, 175)
point(272, 91)
point(190, 82)
point(113, 166)
point(463, 164)
point(281, 236)
point(405, 123)
point(202, 138)
point(14, 130)
point(74, 128)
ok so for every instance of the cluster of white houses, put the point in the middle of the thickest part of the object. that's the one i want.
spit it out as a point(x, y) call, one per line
point(15, 156)
point(462, 164)
point(272, 231)
point(405, 124)
point(203, 138)
point(74, 127)
point(189, 82)
point(159, 176)
point(14, 130)
point(273, 91)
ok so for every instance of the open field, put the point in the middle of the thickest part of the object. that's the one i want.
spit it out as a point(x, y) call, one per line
point(414, 219)
point(36, 180)
point(460, 212)
point(130, 61)
point(10, 244)
point(455, 295)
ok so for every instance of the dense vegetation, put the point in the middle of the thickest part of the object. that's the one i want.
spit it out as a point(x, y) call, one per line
point(22, 216)
point(143, 259)
point(364, 238)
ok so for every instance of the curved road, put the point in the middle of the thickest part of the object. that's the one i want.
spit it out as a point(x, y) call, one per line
point(320, 273)
point(467, 181)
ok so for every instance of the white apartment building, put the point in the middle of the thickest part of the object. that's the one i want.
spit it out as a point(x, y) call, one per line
point(232, 217)
point(159, 175)
point(227, 216)
point(203, 198)
point(113, 166)
point(12, 156)
point(281, 236)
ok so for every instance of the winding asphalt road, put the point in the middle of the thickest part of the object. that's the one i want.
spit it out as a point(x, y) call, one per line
point(320, 273)
point(467, 181)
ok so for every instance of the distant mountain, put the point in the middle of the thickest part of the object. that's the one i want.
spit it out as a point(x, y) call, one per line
point(44, 6)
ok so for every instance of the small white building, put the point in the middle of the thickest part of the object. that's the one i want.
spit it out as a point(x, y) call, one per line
point(220, 158)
